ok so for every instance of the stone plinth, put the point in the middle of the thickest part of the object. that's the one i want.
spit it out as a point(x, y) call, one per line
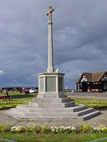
point(51, 85)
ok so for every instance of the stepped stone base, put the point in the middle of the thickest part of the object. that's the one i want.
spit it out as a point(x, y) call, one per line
point(52, 109)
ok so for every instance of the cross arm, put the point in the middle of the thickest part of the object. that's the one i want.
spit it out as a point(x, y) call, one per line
point(50, 10)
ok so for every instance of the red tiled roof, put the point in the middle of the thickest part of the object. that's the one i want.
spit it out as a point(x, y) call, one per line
point(92, 77)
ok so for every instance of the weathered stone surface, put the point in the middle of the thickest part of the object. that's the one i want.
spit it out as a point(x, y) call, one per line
point(47, 110)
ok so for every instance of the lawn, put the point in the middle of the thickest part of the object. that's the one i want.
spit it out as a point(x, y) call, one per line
point(16, 98)
point(91, 102)
point(30, 137)
point(22, 98)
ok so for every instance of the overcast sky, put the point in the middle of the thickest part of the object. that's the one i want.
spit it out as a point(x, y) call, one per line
point(80, 39)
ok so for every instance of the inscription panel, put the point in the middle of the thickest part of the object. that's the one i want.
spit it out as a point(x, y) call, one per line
point(41, 84)
point(51, 84)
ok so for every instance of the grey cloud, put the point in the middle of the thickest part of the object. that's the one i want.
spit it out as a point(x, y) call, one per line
point(79, 39)
point(1, 72)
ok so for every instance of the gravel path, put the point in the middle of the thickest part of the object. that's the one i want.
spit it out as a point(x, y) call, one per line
point(101, 119)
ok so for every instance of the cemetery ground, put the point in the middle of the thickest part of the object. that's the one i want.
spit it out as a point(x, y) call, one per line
point(22, 98)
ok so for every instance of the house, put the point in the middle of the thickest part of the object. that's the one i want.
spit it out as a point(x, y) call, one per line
point(94, 82)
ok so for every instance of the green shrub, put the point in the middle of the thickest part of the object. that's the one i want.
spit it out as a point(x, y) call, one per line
point(37, 128)
point(10, 126)
point(84, 128)
point(44, 128)
point(101, 129)
point(29, 127)
point(17, 129)
point(2, 127)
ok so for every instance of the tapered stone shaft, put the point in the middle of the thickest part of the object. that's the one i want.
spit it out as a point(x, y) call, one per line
point(50, 68)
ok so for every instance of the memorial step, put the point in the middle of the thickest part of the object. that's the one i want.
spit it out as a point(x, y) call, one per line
point(91, 115)
point(51, 111)
point(51, 105)
point(86, 111)
point(48, 113)
point(27, 108)
point(51, 100)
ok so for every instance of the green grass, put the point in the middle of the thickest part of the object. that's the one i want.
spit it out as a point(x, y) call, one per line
point(22, 98)
point(16, 98)
point(98, 103)
point(30, 137)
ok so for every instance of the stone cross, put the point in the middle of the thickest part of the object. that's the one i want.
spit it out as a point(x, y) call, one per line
point(50, 68)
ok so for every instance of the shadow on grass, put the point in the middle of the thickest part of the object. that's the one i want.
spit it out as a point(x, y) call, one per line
point(21, 96)
point(72, 99)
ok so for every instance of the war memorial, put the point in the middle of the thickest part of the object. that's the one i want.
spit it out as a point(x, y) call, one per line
point(51, 103)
